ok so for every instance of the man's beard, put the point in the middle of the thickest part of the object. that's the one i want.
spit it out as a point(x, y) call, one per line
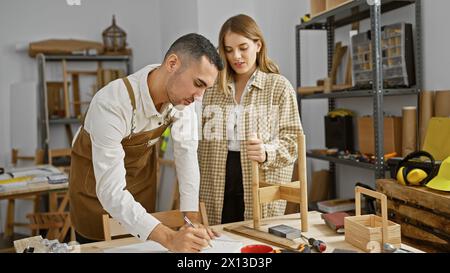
point(178, 106)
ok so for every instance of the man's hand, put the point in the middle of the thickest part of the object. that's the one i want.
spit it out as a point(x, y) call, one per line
point(195, 219)
point(256, 150)
point(187, 239)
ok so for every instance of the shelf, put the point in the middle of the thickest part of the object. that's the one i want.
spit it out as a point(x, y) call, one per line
point(342, 161)
point(360, 93)
point(343, 14)
point(64, 121)
point(87, 58)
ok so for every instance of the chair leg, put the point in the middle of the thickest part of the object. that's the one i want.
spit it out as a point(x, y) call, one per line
point(9, 228)
point(36, 209)
point(72, 233)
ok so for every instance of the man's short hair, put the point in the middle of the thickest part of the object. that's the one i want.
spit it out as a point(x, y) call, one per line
point(195, 46)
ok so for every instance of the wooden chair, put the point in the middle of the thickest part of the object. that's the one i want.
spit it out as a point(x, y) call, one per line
point(58, 153)
point(173, 219)
point(37, 159)
point(295, 192)
point(56, 223)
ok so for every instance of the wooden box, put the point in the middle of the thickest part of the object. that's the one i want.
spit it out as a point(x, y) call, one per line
point(370, 232)
point(317, 6)
point(392, 135)
point(331, 4)
point(423, 213)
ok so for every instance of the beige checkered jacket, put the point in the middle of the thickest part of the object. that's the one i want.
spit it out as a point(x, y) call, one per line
point(274, 117)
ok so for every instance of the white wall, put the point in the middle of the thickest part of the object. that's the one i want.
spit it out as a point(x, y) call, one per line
point(178, 17)
point(24, 21)
point(436, 44)
point(213, 13)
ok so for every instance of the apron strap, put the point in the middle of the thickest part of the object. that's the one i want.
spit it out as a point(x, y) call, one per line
point(130, 92)
point(132, 98)
point(133, 103)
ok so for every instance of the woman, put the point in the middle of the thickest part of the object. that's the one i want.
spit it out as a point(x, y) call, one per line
point(250, 114)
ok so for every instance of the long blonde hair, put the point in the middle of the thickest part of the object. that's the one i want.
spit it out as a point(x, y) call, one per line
point(243, 25)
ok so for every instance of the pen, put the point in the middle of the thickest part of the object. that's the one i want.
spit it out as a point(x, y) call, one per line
point(192, 225)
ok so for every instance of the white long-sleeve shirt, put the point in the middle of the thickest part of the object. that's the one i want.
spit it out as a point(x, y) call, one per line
point(108, 121)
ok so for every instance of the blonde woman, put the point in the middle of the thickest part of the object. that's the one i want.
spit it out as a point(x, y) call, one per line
point(250, 114)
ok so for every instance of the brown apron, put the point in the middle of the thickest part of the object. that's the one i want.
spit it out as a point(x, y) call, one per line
point(140, 165)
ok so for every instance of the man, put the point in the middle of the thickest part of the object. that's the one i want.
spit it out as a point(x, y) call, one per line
point(114, 160)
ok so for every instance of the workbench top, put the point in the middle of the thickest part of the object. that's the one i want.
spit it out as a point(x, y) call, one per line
point(317, 229)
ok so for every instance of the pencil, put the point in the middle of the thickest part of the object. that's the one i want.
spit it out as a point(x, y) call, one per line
point(192, 225)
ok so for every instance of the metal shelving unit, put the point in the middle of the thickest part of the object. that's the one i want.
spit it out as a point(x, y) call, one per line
point(43, 117)
point(348, 162)
point(346, 14)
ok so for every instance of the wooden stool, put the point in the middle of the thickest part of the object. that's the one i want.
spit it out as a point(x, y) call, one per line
point(295, 192)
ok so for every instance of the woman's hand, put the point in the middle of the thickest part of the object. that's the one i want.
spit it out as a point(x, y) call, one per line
point(256, 150)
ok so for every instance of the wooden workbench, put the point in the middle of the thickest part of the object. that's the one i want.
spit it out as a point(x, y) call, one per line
point(317, 229)
point(30, 190)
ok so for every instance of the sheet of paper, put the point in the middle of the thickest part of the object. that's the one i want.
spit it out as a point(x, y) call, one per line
point(223, 244)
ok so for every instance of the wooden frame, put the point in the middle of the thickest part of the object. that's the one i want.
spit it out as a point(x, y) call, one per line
point(264, 192)
point(295, 192)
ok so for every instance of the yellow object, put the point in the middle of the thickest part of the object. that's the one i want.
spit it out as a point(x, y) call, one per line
point(15, 180)
point(165, 139)
point(415, 176)
point(442, 181)
point(306, 18)
point(340, 113)
point(437, 138)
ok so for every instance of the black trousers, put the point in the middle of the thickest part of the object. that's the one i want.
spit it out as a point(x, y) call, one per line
point(233, 203)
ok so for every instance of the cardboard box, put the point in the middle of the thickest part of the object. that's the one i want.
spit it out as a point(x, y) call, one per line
point(392, 135)
point(317, 6)
point(331, 4)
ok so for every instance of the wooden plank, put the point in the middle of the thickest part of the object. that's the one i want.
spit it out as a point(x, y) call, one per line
point(438, 202)
point(303, 182)
point(348, 70)
point(99, 77)
point(424, 240)
point(76, 93)
point(269, 194)
point(290, 194)
point(82, 72)
point(307, 90)
point(262, 236)
point(66, 89)
point(339, 52)
point(423, 217)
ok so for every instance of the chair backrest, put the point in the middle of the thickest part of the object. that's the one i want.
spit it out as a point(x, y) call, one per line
point(172, 219)
point(38, 158)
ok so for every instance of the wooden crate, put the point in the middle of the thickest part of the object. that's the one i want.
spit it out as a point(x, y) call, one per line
point(370, 232)
point(423, 213)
